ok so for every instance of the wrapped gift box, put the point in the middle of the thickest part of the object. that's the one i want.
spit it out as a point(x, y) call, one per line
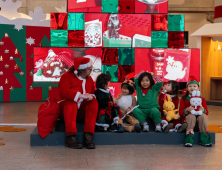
point(122, 41)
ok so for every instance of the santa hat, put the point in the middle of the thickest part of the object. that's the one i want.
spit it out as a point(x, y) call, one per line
point(193, 80)
point(81, 63)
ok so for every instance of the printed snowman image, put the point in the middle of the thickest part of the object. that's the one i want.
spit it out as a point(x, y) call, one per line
point(174, 69)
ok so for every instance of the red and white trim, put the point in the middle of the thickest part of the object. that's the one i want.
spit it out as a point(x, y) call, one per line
point(84, 66)
point(77, 96)
point(217, 11)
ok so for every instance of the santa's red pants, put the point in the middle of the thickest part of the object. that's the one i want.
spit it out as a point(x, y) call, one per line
point(88, 111)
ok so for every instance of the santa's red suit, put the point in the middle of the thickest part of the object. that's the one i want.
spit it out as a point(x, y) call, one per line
point(70, 87)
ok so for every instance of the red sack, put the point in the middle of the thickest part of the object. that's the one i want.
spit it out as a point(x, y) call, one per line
point(48, 114)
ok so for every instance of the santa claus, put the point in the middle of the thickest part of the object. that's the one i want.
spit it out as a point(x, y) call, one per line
point(77, 87)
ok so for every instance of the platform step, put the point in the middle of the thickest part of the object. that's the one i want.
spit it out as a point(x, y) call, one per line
point(110, 138)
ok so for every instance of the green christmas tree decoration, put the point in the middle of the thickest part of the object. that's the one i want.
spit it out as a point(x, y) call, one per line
point(19, 40)
point(39, 72)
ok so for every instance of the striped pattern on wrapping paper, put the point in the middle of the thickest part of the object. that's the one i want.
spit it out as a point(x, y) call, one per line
point(157, 78)
point(68, 61)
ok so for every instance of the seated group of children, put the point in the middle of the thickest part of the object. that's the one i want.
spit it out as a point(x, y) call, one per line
point(126, 113)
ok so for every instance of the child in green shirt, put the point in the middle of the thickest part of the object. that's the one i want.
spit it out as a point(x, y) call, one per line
point(147, 94)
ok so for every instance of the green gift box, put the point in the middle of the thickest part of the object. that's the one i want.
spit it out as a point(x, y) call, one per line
point(112, 71)
point(175, 22)
point(59, 38)
point(110, 6)
point(141, 41)
point(76, 21)
point(159, 39)
point(122, 41)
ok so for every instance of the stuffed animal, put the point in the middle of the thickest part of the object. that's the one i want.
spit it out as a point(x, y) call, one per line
point(169, 107)
point(196, 102)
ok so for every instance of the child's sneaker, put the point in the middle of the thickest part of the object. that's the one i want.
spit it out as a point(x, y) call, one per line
point(113, 128)
point(145, 127)
point(137, 128)
point(102, 127)
point(158, 128)
point(167, 128)
point(120, 128)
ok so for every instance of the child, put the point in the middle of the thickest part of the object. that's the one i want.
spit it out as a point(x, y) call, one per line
point(126, 102)
point(192, 119)
point(108, 114)
point(171, 88)
point(147, 93)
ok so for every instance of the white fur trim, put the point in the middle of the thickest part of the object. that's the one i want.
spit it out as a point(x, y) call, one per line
point(84, 66)
point(75, 72)
point(115, 120)
point(103, 90)
point(164, 121)
point(77, 96)
point(84, 86)
point(177, 126)
point(94, 95)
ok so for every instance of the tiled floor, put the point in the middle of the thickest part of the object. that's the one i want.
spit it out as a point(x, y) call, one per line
point(17, 154)
point(26, 113)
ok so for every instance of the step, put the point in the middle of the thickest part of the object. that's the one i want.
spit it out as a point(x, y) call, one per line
point(57, 138)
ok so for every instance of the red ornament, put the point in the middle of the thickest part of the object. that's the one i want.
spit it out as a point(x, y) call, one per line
point(207, 132)
point(190, 132)
point(21, 59)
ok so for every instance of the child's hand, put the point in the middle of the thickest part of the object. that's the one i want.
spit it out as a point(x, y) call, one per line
point(128, 109)
point(118, 97)
point(126, 79)
point(151, 73)
point(188, 109)
point(111, 103)
point(114, 100)
point(201, 108)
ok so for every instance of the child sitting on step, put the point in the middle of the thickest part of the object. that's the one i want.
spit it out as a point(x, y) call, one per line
point(192, 117)
point(147, 94)
point(108, 113)
point(126, 102)
point(171, 88)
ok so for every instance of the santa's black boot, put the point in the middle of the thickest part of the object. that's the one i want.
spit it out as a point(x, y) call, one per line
point(88, 143)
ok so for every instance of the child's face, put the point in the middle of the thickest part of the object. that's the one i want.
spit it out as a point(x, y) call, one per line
point(168, 87)
point(107, 85)
point(192, 87)
point(145, 83)
point(124, 91)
